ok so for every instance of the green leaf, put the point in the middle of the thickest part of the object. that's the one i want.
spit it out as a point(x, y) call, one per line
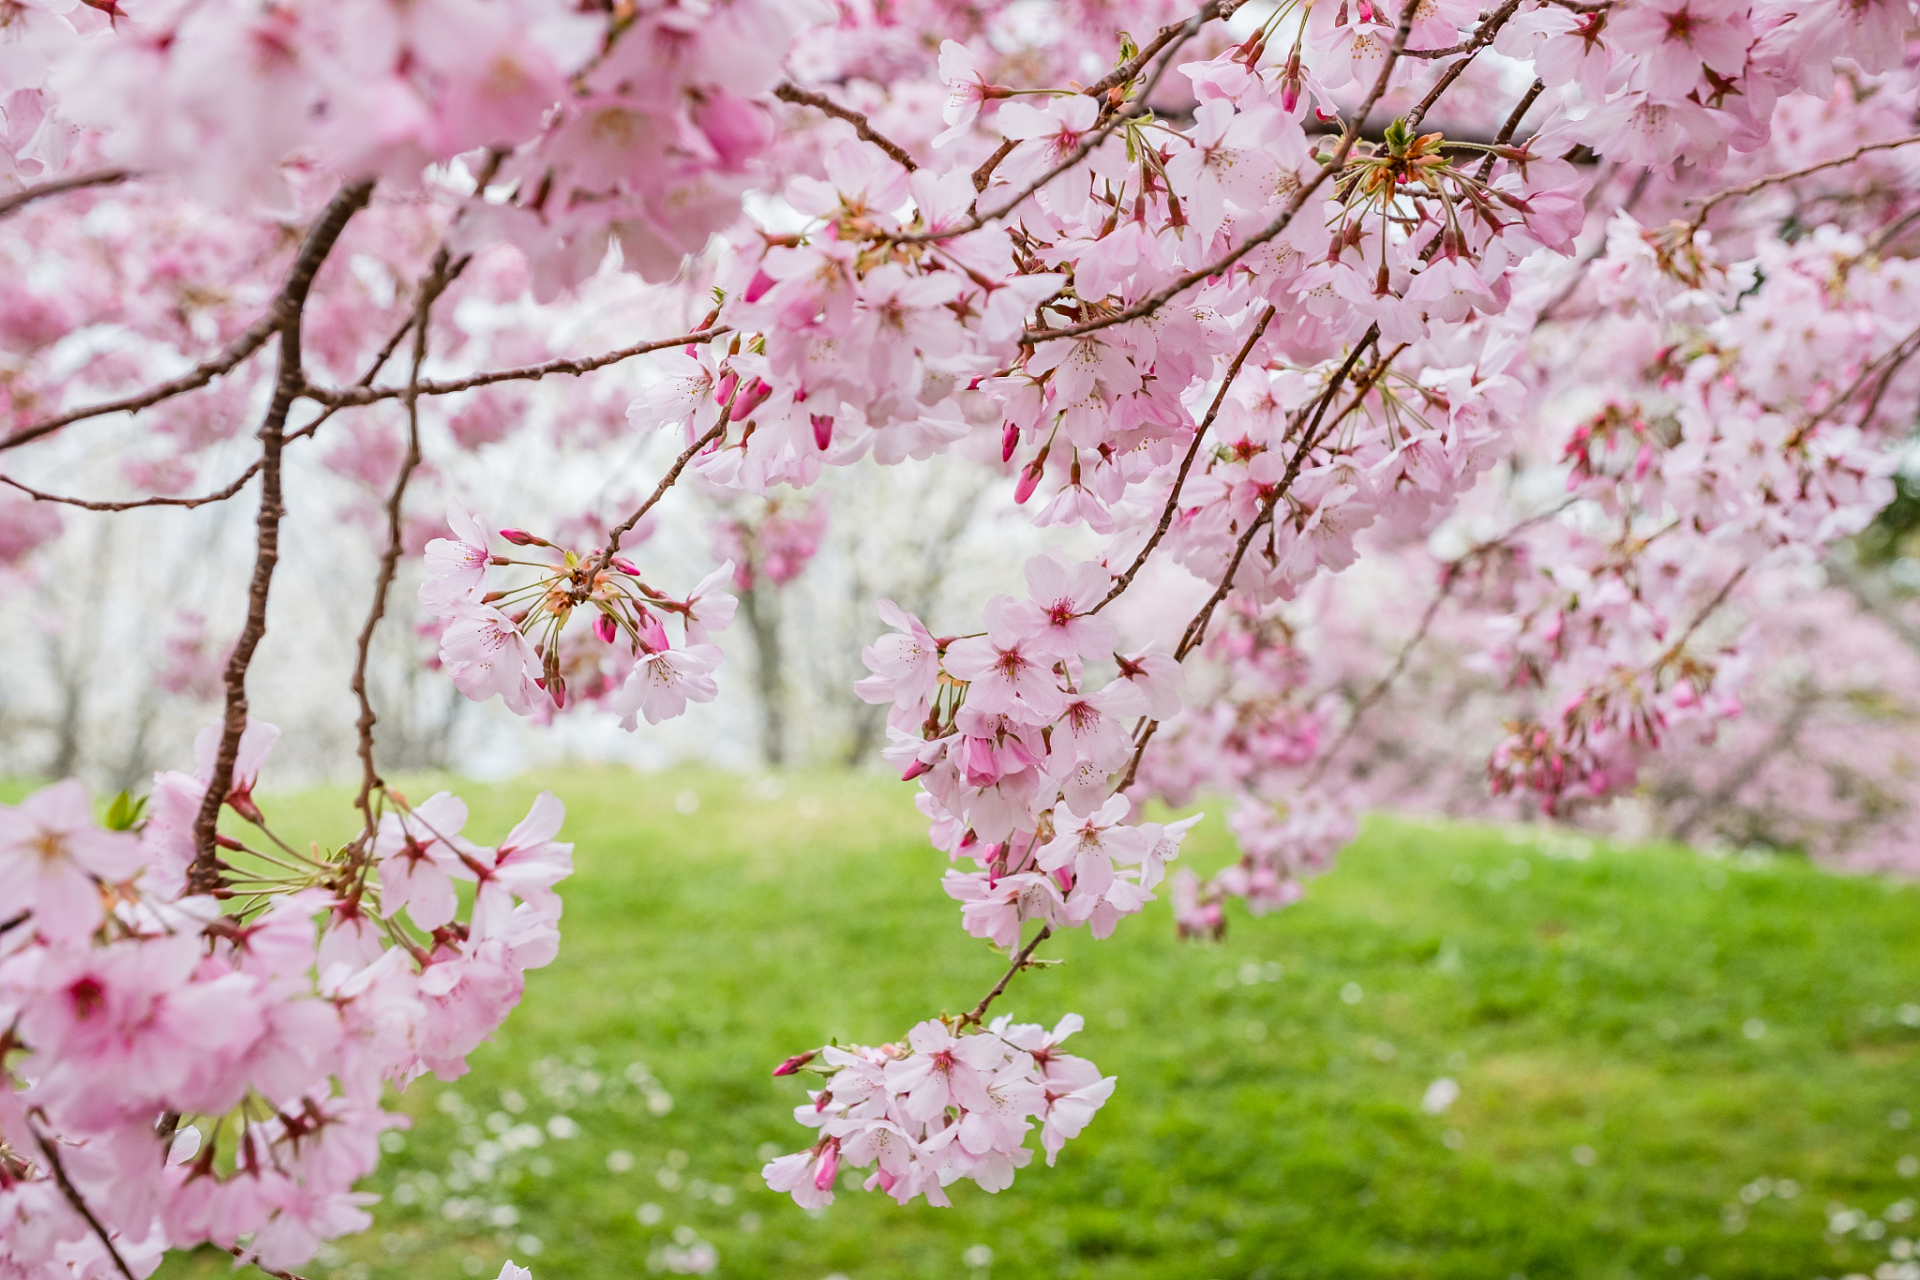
point(124, 813)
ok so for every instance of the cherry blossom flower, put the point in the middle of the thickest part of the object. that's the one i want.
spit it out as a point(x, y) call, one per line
point(54, 861)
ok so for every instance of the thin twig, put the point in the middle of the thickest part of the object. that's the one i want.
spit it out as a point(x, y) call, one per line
point(976, 1016)
point(1709, 203)
point(431, 287)
point(861, 125)
point(1173, 499)
point(1481, 36)
point(1127, 70)
point(1088, 143)
point(288, 308)
point(1512, 125)
point(200, 375)
point(253, 1260)
point(218, 495)
point(72, 1193)
point(343, 397)
point(619, 531)
point(1197, 628)
point(60, 186)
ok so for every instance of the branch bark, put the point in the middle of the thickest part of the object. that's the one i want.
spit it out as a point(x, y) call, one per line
point(288, 308)
point(435, 283)
point(60, 186)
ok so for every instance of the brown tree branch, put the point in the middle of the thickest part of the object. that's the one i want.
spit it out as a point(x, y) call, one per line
point(793, 93)
point(1173, 499)
point(1197, 628)
point(60, 186)
point(1094, 137)
point(200, 375)
point(253, 1260)
point(436, 282)
point(218, 495)
point(976, 1016)
point(1481, 36)
point(619, 531)
point(74, 1198)
point(344, 397)
point(1709, 203)
point(204, 875)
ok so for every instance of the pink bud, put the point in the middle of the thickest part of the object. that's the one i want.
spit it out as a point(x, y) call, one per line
point(796, 1062)
point(737, 129)
point(1029, 481)
point(750, 398)
point(1009, 441)
point(521, 538)
point(604, 628)
point(723, 389)
point(625, 566)
point(652, 634)
point(757, 286)
point(822, 429)
point(915, 769)
point(823, 1173)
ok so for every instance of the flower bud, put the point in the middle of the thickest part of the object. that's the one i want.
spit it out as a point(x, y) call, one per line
point(829, 1165)
point(1009, 441)
point(822, 429)
point(796, 1062)
point(757, 286)
point(521, 538)
point(625, 566)
point(750, 398)
point(603, 626)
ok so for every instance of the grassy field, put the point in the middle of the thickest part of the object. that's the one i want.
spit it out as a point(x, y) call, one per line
point(1668, 1065)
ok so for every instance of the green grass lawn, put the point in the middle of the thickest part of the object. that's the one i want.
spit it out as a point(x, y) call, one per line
point(1668, 1065)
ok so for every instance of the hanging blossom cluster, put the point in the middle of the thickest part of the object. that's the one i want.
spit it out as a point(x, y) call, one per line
point(946, 1105)
point(206, 1066)
point(508, 642)
point(1594, 320)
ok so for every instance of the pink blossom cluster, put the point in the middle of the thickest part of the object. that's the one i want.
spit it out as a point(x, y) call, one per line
point(188, 1068)
point(946, 1105)
point(1017, 746)
point(508, 642)
point(632, 124)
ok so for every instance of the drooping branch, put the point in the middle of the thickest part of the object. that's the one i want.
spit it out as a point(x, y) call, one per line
point(621, 530)
point(1179, 481)
point(60, 186)
point(1197, 628)
point(253, 1260)
point(289, 307)
point(1022, 959)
